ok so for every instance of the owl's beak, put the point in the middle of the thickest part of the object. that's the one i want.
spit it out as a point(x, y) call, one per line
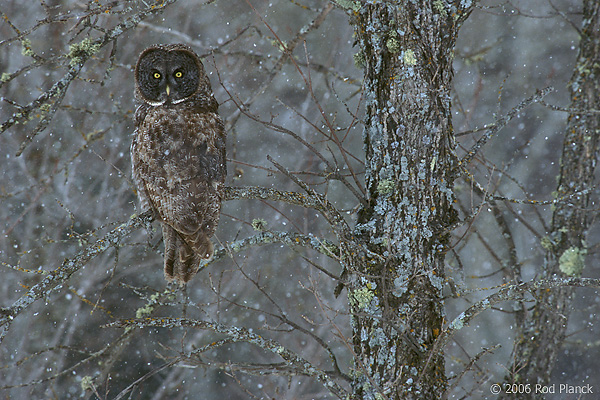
point(168, 90)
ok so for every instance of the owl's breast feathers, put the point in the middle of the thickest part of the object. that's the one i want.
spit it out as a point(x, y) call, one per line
point(180, 144)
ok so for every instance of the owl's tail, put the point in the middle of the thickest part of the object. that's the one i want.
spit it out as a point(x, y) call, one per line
point(183, 254)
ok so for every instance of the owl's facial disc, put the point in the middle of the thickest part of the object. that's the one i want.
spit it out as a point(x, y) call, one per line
point(167, 77)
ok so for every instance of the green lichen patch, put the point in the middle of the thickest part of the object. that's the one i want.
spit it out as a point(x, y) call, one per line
point(328, 248)
point(26, 50)
point(78, 52)
point(87, 383)
point(349, 5)
point(144, 311)
point(148, 309)
point(572, 261)
point(385, 186)
point(409, 57)
point(458, 322)
point(45, 108)
point(547, 243)
point(392, 44)
point(361, 298)
point(359, 59)
point(280, 45)
point(439, 6)
point(259, 224)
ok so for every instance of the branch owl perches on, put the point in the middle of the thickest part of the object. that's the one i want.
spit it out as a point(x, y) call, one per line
point(178, 154)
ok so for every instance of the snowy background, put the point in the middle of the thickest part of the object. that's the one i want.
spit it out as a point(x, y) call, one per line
point(72, 184)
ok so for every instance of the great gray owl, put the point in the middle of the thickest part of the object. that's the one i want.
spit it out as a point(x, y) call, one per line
point(178, 154)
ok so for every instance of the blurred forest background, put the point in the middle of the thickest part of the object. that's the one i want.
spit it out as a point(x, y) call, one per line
point(65, 181)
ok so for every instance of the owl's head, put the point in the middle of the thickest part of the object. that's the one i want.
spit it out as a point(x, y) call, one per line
point(169, 74)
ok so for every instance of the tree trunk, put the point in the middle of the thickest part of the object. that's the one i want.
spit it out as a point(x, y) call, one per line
point(543, 331)
point(406, 50)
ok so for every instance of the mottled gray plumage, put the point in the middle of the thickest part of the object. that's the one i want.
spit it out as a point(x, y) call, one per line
point(178, 154)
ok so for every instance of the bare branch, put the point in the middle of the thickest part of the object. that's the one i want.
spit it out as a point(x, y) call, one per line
point(502, 122)
point(240, 335)
point(506, 293)
point(61, 274)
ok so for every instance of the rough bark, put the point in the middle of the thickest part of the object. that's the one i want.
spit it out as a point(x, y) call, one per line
point(394, 291)
point(543, 331)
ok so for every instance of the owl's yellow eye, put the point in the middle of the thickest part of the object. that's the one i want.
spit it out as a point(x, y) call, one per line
point(156, 75)
point(178, 74)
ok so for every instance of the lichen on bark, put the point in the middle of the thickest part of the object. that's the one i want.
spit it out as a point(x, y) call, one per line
point(406, 52)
